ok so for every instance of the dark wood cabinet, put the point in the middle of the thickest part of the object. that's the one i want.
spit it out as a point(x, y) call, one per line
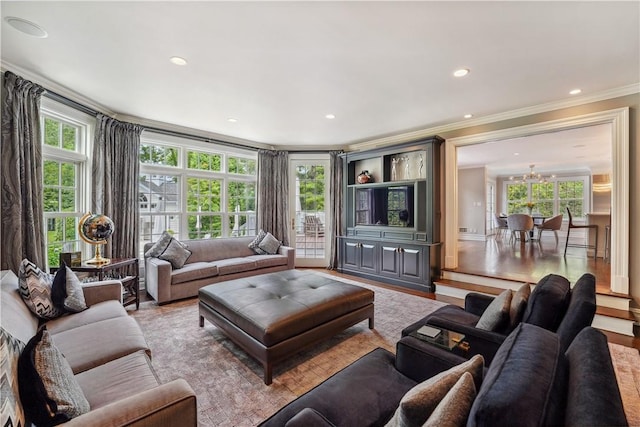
point(393, 216)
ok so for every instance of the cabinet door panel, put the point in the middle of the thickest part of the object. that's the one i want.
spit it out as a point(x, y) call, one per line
point(351, 253)
point(368, 254)
point(389, 260)
point(411, 263)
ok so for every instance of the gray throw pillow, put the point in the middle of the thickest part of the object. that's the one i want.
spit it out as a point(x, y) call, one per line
point(160, 246)
point(35, 289)
point(66, 292)
point(418, 404)
point(254, 245)
point(269, 244)
point(496, 315)
point(176, 253)
point(453, 409)
point(518, 305)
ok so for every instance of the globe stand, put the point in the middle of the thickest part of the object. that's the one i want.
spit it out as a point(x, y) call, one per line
point(98, 259)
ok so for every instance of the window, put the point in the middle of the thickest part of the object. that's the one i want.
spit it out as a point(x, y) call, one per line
point(195, 189)
point(65, 170)
point(549, 198)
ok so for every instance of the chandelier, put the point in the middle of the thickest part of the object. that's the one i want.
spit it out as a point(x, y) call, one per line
point(532, 176)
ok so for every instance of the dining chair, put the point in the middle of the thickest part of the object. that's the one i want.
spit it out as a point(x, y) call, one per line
point(554, 223)
point(501, 225)
point(520, 223)
point(575, 245)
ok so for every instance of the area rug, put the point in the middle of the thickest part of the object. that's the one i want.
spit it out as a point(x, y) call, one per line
point(626, 363)
point(229, 384)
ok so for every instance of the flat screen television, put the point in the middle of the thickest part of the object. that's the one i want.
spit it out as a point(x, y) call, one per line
point(391, 206)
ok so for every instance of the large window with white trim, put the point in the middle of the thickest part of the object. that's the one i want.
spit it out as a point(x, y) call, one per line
point(65, 170)
point(195, 189)
point(549, 198)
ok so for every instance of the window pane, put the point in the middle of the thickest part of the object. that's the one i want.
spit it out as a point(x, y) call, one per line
point(241, 196)
point(517, 198)
point(68, 200)
point(203, 195)
point(69, 134)
point(204, 226)
point(204, 161)
point(158, 155)
point(51, 132)
point(51, 173)
point(242, 225)
point(68, 174)
point(158, 193)
point(71, 229)
point(242, 166)
point(51, 200)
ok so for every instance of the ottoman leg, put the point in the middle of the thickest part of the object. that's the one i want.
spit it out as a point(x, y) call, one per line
point(201, 321)
point(371, 322)
point(267, 373)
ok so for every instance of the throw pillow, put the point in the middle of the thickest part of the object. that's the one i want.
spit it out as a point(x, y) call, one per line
point(49, 391)
point(496, 315)
point(11, 412)
point(518, 305)
point(176, 253)
point(418, 404)
point(159, 247)
point(35, 289)
point(453, 409)
point(254, 245)
point(269, 244)
point(66, 292)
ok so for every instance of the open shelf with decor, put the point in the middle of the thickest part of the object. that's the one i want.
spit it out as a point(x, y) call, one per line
point(392, 213)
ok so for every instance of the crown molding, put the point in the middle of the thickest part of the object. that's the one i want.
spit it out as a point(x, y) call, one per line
point(513, 114)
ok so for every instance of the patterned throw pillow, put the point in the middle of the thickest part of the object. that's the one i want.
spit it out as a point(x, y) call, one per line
point(49, 391)
point(254, 245)
point(12, 413)
point(66, 292)
point(35, 289)
point(176, 253)
point(453, 409)
point(419, 403)
point(269, 244)
point(158, 247)
point(496, 316)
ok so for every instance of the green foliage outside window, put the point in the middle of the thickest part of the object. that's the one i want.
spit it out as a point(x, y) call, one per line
point(311, 180)
point(59, 232)
point(204, 161)
point(158, 155)
point(203, 195)
point(517, 198)
point(59, 180)
point(242, 166)
point(241, 196)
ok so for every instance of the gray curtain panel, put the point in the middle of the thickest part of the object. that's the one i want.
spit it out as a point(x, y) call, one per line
point(21, 157)
point(115, 173)
point(273, 193)
point(335, 206)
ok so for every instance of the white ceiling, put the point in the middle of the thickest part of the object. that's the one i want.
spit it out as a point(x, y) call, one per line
point(279, 67)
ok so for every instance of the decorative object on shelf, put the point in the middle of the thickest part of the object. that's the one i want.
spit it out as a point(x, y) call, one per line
point(532, 176)
point(407, 172)
point(420, 165)
point(364, 177)
point(96, 229)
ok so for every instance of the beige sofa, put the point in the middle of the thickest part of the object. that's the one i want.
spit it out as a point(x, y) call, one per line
point(108, 355)
point(211, 261)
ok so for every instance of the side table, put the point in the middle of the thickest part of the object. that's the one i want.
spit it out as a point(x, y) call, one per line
point(123, 269)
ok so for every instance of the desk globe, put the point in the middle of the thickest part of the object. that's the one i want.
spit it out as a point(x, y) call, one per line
point(96, 229)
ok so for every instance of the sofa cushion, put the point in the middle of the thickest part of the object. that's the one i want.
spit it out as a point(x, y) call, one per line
point(269, 244)
point(453, 409)
point(66, 291)
point(193, 271)
point(35, 289)
point(593, 397)
point(548, 302)
point(118, 379)
point(496, 315)
point(265, 261)
point(419, 403)
point(235, 265)
point(12, 413)
point(518, 306)
point(176, 253)
point(48, 388)
point(581, 311)
point(96, 343)
point(97, 312)
point(525, 383)
point(159, 246)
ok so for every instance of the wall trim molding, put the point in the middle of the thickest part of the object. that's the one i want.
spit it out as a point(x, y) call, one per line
point(619, 119)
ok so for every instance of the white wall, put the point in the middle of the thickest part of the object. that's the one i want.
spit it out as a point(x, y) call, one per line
point(471, 203)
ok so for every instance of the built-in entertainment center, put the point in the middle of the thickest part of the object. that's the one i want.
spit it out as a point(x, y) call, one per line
point(392, 214)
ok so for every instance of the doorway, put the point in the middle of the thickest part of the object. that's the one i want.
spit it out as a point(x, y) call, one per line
point(308, 204)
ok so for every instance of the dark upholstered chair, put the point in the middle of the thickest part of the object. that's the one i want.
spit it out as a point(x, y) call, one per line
point(588, 227)
point(552, 306)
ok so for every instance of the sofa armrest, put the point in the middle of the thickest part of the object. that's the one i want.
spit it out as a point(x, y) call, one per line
point(157, 275)
point(419, 360)
point(290, 253)
point(309, 417)
point(105, 290)
point(480, 341)
point(475, 303)
point(170, 404)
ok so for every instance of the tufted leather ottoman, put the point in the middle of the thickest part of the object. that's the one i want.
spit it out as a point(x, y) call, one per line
point(272, 316)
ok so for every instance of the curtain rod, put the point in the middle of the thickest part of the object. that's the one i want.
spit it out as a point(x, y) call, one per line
point(70, 103)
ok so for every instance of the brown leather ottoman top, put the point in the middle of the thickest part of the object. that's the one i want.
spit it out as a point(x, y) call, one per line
point(275, 306)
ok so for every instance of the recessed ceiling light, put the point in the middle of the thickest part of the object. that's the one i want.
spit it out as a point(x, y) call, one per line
point(461, 72)
point(330, 116)
point(468, 116)
point(579, 145)
point(177, 60)
point(575, 92)
point(232, 120)
point(26, 27)
point(516, 154)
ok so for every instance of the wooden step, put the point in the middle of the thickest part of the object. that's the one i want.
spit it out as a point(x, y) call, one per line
point(469, 287)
